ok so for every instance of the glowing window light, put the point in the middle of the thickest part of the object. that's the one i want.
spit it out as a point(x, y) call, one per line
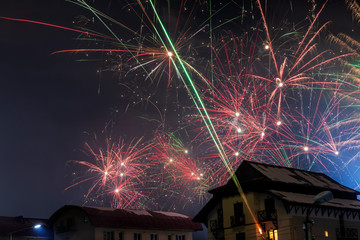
point(326, 233)
point(273, 234)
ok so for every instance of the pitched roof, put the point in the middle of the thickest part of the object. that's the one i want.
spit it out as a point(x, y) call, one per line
point(290, 176)
point(126, 218)
point(309, 199)
point(288, 184)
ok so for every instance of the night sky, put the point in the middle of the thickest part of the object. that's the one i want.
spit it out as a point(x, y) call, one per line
point(52, 104)
point(48, 102)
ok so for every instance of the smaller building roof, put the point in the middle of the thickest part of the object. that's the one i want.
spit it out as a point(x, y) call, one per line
point(134, 219)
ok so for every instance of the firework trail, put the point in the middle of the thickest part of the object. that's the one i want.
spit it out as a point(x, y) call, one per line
point(279, 105)
point(267, 94)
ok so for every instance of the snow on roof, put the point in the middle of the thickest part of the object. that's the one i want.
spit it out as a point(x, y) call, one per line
point(295, 176)
point(172, 214)
point(139, 212)
point(309, 199)
point(134, 219)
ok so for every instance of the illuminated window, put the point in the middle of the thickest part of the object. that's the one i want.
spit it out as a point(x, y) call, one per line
point(326, 233)
point(273, 234)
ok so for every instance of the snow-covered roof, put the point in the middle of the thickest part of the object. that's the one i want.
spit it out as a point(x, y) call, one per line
point(134, 219)
point(299, 177)
point(309, 199)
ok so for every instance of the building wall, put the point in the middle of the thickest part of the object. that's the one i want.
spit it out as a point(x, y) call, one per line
point(128, 234)
point(327, 222)
point(80, 228)
point(212, 216)
point(289, 226)
point(73, 225)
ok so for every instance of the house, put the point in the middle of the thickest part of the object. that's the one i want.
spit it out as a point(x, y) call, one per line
point(281, 203)
point(94, 223)
point(20, 228)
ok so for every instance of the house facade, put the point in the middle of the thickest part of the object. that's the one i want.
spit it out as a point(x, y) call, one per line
point(281, 203)
point(91, 223)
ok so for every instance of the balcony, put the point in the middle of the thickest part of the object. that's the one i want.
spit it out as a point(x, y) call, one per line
point(267, 216)
point(346, 234)
point(217, 229)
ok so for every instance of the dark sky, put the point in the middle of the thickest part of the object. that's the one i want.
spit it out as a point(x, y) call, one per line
point(47, 103)
point(49, 106)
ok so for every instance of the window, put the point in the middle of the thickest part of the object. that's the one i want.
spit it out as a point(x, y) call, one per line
point(240, 236)
point(120, 236)
point(220, 218)
point(180, 237)
point(70, 223)
point(270, 205)
point(108, 235)
point(273, 234)
point(269, 208)
point(137, 236)
point(239, 218)
point(153, 236)
point(326, 233)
